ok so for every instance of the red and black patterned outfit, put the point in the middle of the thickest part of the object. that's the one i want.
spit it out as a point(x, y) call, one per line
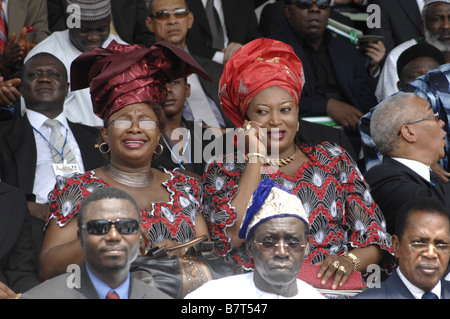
point(174, 220)
point(336, 198)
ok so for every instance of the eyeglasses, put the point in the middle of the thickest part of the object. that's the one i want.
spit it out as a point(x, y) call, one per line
point(124, 226)
point(165, 14)
point(421, 248)
point(307, 4)
point(435, 115)
point(126, 124)
point(271, 245)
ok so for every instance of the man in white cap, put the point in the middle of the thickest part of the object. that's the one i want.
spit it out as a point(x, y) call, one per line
point(435, 29)
point(275, 229)
point(93, 31)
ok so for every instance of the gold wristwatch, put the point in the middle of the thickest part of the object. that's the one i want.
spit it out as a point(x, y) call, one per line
point(355, 260)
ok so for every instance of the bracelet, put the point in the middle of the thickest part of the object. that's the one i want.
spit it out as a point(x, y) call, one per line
point(355, 260)
point(263, 157)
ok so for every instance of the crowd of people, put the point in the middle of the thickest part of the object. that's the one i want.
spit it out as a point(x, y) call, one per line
point(149, 128)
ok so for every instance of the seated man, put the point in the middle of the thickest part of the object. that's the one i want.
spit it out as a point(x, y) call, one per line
point(26, 159)
point(18, 269)
point(422, 247)
point(275, 229)
point(108, 252)
point(411, 138)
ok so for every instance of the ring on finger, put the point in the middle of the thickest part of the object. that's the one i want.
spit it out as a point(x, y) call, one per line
point(342, 268)
point(247, 127)
point(335, 264)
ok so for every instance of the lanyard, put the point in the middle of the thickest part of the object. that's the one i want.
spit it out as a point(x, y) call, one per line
point(57, 151)
point(170, 146)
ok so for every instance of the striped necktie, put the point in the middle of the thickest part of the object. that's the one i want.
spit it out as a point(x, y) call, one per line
point(58, 144)
point(214, 25)
point(112, 295)
point(3, 28)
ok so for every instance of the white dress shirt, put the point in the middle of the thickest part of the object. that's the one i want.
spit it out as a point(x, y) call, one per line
point(45, 178)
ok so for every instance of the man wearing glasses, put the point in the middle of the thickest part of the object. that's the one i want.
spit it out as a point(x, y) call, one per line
point(422, 247)
point(411, 137)
point(275, 229)
point(109, 233)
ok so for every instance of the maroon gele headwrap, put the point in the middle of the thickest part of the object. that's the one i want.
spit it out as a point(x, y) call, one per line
point(121, 75)
point(258, 65)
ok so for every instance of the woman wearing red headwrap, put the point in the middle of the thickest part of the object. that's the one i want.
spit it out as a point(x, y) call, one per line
point(127, 85)
point(259, 90)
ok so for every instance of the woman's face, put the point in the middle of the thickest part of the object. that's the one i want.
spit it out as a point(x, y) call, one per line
point(275, 109)
point(136, 143)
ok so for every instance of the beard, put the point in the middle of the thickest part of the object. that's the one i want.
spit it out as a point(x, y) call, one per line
point(433, 39)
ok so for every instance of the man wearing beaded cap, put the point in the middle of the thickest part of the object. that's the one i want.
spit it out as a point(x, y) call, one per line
point(93, 31)
point(275, 228)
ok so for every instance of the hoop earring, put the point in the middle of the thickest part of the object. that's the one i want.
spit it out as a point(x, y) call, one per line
point(102, 150)
point(298, 126)
point(161, 149)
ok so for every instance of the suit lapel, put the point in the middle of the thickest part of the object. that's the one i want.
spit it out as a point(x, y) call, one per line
point(23, 145)
point(200, 16)
point(84, 141)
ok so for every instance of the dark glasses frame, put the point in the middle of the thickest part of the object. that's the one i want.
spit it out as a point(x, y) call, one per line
point(307, 4)
point(125, 226)
point(165, 14)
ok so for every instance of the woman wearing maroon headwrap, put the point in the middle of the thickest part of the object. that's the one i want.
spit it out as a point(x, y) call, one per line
point(127, 85)
point(260, 89)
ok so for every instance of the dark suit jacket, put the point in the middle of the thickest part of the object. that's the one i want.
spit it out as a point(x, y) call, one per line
point(394, 288)
point(57, 288)
point(240, 21)
point(400, 21)
point(128, 16)
point(18, 153)
point(18, 268)
point(392, 184)
point(350, 71)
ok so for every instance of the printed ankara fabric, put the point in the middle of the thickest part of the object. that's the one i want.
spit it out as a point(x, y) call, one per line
point(174, 220)
point(341, 212)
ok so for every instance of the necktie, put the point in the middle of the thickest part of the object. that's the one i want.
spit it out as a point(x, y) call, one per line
point(59, 144)
point(112, 295)
point(3, 28)
point(214, 25)
point(429, 295)
point(198, 102)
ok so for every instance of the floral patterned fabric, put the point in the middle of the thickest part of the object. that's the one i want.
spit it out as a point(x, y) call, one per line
point(336, 198)
point(174, 220)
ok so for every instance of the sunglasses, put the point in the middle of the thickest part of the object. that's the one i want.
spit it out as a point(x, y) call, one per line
point(165, 14)
point(292, 246)
point(126, 124)
point(126, 226)
point(307, 4)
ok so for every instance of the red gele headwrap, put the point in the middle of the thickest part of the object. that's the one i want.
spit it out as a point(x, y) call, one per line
point(258, 65)
point(121, 75)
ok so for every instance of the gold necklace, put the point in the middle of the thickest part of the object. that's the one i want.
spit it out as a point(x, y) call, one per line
point(281, 161)
point(127, 178)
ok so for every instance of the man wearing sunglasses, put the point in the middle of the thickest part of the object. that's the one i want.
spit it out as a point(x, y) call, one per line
point(109, 233)
point(422, 247)
point(411, 137)
point(336, 74)
point(171, 20)
point(275, 229)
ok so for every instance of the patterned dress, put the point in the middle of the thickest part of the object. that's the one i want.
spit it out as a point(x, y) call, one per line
point(336, 198)
point(174, 220)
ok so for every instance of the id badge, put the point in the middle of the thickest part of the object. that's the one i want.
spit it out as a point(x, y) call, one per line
point(65, 169)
